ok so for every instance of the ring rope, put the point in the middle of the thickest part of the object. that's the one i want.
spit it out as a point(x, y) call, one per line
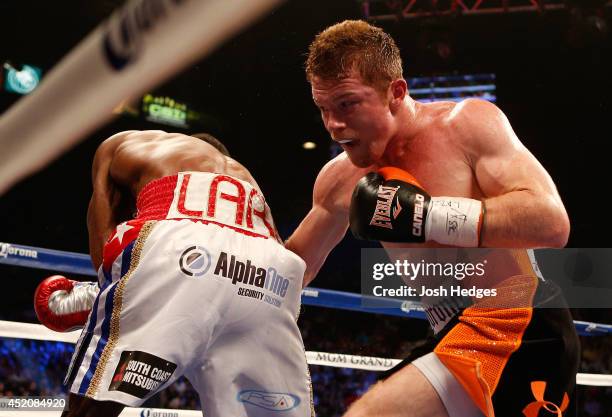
point(19, 330)
point(135, 49)
point(79, 263)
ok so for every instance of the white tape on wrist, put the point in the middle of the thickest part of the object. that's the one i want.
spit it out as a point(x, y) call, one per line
point(454, 221)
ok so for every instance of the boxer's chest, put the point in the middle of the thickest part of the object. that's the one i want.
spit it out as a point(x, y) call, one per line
point(440, 166)
point(434, 159)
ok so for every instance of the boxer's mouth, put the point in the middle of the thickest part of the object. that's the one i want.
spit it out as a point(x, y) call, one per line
point(349, 143)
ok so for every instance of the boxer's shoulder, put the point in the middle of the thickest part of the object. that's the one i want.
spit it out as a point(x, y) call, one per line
point(477, 125)
point(473, 116)
point(471, 111)
point(110, 144)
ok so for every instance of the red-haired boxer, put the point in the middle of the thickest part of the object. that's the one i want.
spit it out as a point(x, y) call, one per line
point(488, 190)
point(196, 283)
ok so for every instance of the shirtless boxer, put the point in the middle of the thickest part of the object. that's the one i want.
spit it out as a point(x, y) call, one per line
point(196, 284)
point(490, 192)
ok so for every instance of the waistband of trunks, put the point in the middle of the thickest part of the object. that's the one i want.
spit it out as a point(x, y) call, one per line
point(155, 198)
point(206, 197)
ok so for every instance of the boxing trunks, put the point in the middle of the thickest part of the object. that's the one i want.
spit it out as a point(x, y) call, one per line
point(197, 285)
point(516, 354)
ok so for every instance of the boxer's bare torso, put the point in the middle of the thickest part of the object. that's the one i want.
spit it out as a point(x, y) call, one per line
point(453, 150)
point(127, 161)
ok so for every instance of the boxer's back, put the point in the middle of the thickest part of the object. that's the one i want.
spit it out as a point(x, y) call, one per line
point(127, 161)
point(142, 156)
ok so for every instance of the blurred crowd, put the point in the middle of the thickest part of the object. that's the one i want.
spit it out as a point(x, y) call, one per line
point(33, 367)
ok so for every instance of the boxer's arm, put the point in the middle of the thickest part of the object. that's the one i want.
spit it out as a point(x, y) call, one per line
point(320, 231)
point(325, 224)
point(522, 205)
point(105, 200)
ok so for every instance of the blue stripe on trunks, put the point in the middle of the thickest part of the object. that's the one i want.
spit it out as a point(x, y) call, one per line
point(127, 258)
point(108, 278)
point(84, 344)
point(108, 312)
point(126, 254)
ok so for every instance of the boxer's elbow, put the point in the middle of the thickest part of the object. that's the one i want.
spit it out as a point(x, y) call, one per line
point(308, 277)
point(560, 233)
point(555, 230)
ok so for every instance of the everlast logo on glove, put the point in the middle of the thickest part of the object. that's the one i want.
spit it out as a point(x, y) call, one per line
point(140, 373)
point(382, 212)
point(390, 210)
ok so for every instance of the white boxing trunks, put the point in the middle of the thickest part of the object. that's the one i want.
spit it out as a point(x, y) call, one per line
point(197, 285)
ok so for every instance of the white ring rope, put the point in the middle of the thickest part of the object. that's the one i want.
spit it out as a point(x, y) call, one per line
point(370, 363)
point(138, 47)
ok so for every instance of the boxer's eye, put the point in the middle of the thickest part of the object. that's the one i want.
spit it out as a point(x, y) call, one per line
point(347, 104)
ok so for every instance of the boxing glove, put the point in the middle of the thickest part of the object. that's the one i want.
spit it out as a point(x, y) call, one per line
point(62, 304)
point(391, 206)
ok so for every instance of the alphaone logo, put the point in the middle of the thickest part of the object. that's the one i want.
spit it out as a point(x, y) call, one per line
point(195, 261)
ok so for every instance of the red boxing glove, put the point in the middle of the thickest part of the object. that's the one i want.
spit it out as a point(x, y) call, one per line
point(62, 304)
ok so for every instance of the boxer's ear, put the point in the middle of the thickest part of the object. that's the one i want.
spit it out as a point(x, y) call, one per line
point(397, 92)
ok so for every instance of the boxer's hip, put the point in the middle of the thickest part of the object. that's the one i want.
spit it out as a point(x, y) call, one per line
point(491, 269)
point(202, 287)
point(174, 252)
point(498, 347)
point(207, 198)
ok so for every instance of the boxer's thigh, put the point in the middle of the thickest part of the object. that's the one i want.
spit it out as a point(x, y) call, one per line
point(255, 372)
point(150, 324)
point(255, 364)
point(548, 357)
point(406, 393)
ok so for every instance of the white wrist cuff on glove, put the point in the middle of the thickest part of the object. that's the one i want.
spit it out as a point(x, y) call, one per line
point(454, 221)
